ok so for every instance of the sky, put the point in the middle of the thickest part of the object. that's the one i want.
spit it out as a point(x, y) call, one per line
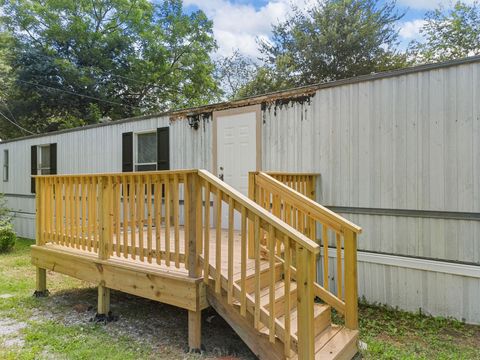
point(238, 23)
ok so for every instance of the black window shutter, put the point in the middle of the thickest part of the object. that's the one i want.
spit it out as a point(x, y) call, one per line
point(33, 166)
point(163, 148)
point(127, 152)
point(53, 158)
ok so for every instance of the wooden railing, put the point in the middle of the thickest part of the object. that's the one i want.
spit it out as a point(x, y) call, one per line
point(304, 183)
point(337, 234)
point(131, 215)
point(139, 217)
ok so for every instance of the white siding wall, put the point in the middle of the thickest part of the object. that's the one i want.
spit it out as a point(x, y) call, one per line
point(96, 150)
point(407, 142)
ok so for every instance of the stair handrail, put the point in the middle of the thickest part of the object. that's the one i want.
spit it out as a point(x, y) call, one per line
point(328, 219)
point(314, 209)
point(283, 242)
point(293, 233)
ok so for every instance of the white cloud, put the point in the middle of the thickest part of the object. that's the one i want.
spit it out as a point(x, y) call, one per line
point(410, 30)
point(237, 26)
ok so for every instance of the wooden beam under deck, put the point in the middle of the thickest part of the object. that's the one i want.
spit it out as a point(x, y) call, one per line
point(155, 282)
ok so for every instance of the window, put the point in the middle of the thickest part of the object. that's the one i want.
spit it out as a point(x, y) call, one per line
point(5, 165)
point(146, 151)
point(43, 160)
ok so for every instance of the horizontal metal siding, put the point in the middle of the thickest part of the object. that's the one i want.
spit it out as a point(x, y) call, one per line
point(455, 240)
point(98, 150)
point(433, 293)
point(190, 148)
point(95, 150)
point(408, 142)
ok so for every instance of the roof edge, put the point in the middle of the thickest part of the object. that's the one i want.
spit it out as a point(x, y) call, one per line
point(272, 96)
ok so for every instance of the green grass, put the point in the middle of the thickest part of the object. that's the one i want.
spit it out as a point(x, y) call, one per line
point(388, 333)
point(46, 338)
point(394, 334)
point(75, 342)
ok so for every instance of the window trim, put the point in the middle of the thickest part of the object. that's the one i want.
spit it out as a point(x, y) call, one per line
point(135, 149)
point(6, 165)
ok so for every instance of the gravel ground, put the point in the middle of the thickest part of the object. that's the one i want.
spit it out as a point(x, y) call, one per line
point(162, 327)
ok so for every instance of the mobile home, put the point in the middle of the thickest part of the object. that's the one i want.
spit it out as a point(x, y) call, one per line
point(397, 153)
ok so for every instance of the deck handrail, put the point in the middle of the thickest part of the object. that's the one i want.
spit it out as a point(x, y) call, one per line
point(309, 206)
point(281, 199)
point(304, 183)
point(293, 233)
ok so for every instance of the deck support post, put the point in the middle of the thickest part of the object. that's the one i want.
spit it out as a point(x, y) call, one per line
point(351, 285)
point(103, 310)
point(194, 330)
point(194, 249)
point(41, 284)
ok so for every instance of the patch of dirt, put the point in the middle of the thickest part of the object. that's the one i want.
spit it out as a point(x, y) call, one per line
point(10, 326)
point(469, 335)
point(161, 326)
point(10, 332)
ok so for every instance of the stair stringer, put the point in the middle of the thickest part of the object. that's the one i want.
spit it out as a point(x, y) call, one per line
point(244, 327)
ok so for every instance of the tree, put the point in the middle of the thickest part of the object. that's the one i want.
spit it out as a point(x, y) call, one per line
point(75, 62)
point(234, 72)
point(264, 80)
point(334, 39)
point(449, 34)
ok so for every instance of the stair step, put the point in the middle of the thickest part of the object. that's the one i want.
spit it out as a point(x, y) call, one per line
point(264, 276)
point(336, 342)
point(322, 318)
point(331, 341)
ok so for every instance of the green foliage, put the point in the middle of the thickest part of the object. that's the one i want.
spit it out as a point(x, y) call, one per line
point(393, 334)
point(7, 238)
point(7, 235)
point(124, 57)
point(4, 211)
point(265, 80)
point(334, 39)
point(449, 34)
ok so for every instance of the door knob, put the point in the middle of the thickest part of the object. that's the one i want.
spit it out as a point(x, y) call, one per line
point(220, 173)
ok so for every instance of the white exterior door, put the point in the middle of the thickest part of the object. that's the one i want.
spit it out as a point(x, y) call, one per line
point(236, 154)
point(236, 149)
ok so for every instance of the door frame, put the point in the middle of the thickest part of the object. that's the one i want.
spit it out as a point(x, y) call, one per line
point(258, 133)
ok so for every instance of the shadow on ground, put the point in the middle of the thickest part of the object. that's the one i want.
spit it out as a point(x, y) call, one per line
point(159, 325)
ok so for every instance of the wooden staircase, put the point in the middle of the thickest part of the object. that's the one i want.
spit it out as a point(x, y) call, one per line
point(268, 284)
point(331, 341)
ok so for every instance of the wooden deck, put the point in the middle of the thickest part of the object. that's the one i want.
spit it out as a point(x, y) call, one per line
point(54, 257)
point(151, 235)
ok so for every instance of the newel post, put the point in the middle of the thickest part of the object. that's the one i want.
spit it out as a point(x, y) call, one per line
point(105, 237)
point(41, 278)
point(251, 196)
point(104, 221)
point(305, 299)
point(351, 285)
point(194, 248)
